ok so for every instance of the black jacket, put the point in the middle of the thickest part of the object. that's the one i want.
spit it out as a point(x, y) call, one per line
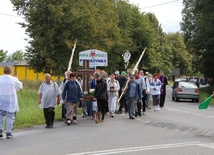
point(101, 90)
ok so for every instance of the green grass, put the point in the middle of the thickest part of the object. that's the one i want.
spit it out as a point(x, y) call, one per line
point(205, 93)
point(29, 111)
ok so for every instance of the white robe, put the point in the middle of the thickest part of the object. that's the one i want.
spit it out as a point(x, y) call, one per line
point(8, 97)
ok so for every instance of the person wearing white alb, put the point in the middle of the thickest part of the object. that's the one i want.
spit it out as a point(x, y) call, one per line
point(155, 86)
point(113, 87)
point(8, 100)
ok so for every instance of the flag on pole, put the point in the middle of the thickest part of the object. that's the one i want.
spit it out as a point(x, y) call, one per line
point(205, 104)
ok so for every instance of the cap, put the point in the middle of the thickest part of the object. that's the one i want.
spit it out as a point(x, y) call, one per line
point(116, 72)
point(123, 73)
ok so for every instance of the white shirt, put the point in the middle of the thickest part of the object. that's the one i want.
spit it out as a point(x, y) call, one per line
point(8, 97)
point(156, 85)
point(114, 84)
point(49, 93)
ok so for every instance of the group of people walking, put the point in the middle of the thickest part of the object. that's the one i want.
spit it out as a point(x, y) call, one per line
point(113, 93)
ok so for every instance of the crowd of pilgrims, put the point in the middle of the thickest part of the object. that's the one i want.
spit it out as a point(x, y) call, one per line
point(116, 93)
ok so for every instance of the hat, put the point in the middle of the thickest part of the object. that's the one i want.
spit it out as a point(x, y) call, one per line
point(123, 73)
point(131, 76)
point(116, 72)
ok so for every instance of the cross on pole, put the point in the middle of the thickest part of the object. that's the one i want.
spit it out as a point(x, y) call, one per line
point(85, 71)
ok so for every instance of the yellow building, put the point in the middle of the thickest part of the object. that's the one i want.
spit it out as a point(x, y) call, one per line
point(22, 69)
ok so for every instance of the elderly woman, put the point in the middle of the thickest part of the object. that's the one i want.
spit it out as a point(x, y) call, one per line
point(155, 86)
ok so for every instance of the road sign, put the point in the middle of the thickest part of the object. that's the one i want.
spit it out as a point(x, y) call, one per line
point(176, 71)
point(95, 57)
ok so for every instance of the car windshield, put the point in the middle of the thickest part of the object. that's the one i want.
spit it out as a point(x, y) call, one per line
point(187, 85)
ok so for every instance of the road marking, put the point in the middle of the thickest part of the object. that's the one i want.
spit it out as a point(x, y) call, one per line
point(141, 148)
point(209, 145)
point(197, 114)
point(187, 112)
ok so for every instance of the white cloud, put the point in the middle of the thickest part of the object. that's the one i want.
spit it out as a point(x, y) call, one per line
point(169, 15)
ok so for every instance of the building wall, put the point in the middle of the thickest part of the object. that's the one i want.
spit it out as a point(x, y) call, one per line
point(25, 73)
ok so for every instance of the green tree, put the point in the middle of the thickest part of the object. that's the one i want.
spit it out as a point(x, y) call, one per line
point(54, 25)
point(181, 57)
point(200, 42)
point(15, 56)
point(107, 25)
point(18, 55)
point(3, 55)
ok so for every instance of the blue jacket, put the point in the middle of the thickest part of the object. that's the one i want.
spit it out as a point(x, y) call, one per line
point(72, 92)
point(92, 84)
point(138, 92)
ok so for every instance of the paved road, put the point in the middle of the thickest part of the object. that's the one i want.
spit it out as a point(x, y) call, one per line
point(177, 129)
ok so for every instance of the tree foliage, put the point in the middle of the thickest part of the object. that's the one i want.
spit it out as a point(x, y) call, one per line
point(107, 25)
point(200, 42)
point(3, 55)
point(16, 56)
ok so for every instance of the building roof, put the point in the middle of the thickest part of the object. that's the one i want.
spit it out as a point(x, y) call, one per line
point(7, 63)
point(21, 63)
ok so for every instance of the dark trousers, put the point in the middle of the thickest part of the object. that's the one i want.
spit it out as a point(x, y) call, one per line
point(101, 104)
point(144, 102)
point(162, 100)
point(123, 104)
point(63, 110)
point(138, 111)
point(49, 115)
point(144, 99)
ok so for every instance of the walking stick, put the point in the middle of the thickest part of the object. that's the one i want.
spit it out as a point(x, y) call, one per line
point(127, 82)
point(72, 55)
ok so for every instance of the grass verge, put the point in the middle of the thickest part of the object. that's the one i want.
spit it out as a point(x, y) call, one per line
point(29, 111)
point(206, 92)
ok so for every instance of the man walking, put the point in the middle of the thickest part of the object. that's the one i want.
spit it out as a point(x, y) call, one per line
point(49, 95)
point(8, 100)
point(132, 96)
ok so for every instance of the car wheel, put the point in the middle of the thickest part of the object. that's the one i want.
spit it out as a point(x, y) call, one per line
point(197, 100)
point(176, 99)
point(193, 100)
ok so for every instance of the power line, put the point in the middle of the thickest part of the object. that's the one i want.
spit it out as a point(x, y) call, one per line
point(11, 15)
point(159, 4)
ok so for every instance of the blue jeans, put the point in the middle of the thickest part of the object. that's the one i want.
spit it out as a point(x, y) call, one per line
point(10, 119)
point(89, 108)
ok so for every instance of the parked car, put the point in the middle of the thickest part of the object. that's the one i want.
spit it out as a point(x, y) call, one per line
point(185, 90)
point(180, 79)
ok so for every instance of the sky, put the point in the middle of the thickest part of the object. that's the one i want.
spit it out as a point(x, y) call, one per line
point(12, 36)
